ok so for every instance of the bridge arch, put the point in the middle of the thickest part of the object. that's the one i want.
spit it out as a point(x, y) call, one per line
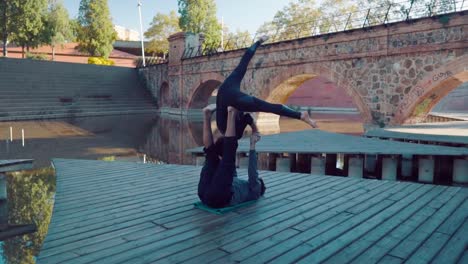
point(430, 90)
point(203, 90)
point(286, 82)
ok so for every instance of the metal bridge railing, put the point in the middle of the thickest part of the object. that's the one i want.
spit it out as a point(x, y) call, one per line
point(149, 61)
point(364, 18)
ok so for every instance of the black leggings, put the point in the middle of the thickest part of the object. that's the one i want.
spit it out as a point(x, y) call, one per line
point(229, 94)
point(216, 176)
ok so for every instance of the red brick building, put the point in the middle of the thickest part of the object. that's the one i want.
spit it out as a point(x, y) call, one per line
point(69, 53)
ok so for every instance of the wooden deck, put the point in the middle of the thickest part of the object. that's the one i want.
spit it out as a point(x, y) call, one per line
point(118, 212)
point(454, 133)
point(317, 141)
point(15, 165)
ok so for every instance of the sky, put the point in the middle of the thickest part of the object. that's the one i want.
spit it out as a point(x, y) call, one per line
point(237, 14)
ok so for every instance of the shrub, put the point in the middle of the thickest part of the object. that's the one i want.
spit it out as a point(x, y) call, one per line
point(100, 61)
point(36, 56)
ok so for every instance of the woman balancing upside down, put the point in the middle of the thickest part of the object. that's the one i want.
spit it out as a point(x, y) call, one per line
point(229, 94)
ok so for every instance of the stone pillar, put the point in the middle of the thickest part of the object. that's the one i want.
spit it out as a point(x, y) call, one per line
point(406, 165)
point(199, 160)
point(370, 163)
point(283, 164)
point(389, 167)
point(460, 170)
point(426, 169)
point(178, 44)
point(330, 164)
point(292, 162)
point(356, 166)
point(303, 163)
point(317, 165)
point(175, 73)
point(272, 161)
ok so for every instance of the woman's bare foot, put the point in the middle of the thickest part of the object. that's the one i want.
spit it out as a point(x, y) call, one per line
point(208, 110)
point(263, 39)
point(232, 110)
point(306, 118)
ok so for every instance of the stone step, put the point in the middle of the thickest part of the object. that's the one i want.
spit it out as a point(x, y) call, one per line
point(71, 106)
point(37, 86)
point(79, 96)
point(63, 102)
point(82, 114)
point(71, 111)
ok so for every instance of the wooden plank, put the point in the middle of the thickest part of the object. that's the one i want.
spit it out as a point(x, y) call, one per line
point(374, 231)
point(248, 217)
point(462, 260)
point(215, 254)
point(327, 243)
point(189, 207)
point(398, 133)
point(247, 209)
point(279, 223)
point(15, 165)
point(290, 244)
point(324, 177)
point(96, 240)
point(455, 250)
point(391, 260)
point(155, 202)
point(369, 239)
point(415, 239)
point(149, 201)
point(148, 217)
point(259, 245)
point(428, 249)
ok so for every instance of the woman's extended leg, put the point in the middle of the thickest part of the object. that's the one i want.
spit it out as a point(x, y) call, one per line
point(253, 104)
point(230, 88)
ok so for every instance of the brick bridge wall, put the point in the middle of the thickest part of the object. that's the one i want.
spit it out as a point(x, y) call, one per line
point(394, 73)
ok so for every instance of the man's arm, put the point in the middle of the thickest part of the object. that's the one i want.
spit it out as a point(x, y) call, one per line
point(252, 170)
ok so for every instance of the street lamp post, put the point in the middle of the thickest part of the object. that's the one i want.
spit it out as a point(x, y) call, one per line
point(141, 35)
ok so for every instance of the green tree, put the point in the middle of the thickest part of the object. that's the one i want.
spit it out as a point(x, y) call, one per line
point(75, 29)
point(160, 29)
point(302, 18)
point(199, 16)
point(27, 22)
point(96, 34)
point(5, 9)
point(237, 40)
point(334, 15)
point(58, 29)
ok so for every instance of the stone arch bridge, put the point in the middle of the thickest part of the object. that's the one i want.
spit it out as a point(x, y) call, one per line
point(395, 73)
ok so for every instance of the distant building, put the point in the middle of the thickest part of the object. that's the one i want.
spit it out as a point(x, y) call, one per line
point(132, 47)
point(126, 34)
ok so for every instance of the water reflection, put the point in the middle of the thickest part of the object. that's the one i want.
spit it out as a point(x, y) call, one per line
point(30, 200)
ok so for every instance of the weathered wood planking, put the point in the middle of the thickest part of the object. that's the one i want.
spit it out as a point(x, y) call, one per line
point(15, 165)
point(119, 212)
point(317, 141)
point(401, 135)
